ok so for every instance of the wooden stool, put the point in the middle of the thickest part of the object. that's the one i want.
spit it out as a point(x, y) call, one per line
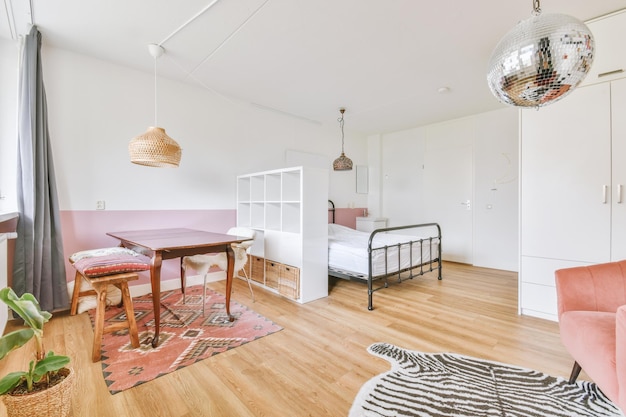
point(101, 268)
point(99, 285)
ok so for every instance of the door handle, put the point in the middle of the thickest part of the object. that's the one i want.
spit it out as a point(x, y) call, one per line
point(619, 193)
point(604, 192)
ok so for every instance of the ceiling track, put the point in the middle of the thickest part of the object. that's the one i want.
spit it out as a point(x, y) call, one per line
point(229, 37)
point(196, 16)
point(25, 16)
point(190, 74)
point(8, 8)
point(188, 22)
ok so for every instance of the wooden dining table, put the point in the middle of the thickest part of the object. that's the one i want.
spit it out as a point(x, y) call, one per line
point(162, 244)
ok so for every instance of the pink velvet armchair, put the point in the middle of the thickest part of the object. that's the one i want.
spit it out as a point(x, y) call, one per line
point(592, 322)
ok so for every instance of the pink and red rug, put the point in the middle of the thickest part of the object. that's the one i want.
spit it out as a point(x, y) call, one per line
point(186, 336)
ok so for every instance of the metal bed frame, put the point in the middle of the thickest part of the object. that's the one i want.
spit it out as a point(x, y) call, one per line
point(413, 271)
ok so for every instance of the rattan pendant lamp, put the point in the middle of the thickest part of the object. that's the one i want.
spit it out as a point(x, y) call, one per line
point(155, 148)
point(343, 163)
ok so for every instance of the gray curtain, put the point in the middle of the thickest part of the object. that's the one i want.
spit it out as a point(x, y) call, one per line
point(38, 266)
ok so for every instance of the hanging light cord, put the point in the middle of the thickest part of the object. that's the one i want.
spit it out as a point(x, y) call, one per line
point(536, 8)
point(340, 120)
point(155, 92)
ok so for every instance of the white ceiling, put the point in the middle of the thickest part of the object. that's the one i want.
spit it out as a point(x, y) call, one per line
point(384, 60)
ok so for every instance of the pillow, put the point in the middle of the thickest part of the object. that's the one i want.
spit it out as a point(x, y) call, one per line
point(90, 253)
point(335, 229)
point(100, 262)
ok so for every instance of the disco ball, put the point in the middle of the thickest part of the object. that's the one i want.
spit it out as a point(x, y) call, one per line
point(541, 60)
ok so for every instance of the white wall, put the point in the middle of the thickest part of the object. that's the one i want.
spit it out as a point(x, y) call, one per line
point(493, 139)
point(8, 124)
point(402, 176)
point(374, 162)
point(96, 107)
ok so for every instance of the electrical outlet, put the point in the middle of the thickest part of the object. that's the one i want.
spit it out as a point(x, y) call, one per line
point(100, 205)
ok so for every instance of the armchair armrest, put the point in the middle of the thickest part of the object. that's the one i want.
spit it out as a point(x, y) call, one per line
point(600, 287)
point(620, 354)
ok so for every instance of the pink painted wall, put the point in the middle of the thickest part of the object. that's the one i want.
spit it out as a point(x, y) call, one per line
point(87, 230)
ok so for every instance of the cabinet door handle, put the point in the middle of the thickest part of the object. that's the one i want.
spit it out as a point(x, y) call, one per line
point(619, 193)
point(604, 74)
point(604, 192)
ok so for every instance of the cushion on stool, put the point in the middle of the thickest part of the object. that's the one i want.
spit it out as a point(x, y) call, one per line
point(108, 261)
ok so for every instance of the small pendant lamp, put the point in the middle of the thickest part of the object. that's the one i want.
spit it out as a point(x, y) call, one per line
point(343, 163)
point(541, 60)
point(154, 148)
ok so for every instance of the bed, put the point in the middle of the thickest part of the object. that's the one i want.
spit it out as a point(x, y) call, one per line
point(393, 253)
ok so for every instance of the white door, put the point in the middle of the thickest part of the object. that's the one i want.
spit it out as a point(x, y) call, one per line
point(448, 192)
point(565, 185)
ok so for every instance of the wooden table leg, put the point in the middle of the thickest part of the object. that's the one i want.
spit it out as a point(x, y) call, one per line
point(230, 255)
point(155, 281)
point(183, 277)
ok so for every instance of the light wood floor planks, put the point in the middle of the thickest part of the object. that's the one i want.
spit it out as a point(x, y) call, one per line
point(316, 365)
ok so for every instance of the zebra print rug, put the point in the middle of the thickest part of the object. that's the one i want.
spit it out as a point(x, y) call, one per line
point(444, 384)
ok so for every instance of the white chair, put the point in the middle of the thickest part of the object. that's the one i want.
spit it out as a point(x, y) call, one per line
point(202, 263)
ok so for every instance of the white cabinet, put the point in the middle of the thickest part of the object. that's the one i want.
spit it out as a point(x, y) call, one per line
point(618, 165)
point(369, 224)
point(609, 62)
point(288, 209)
point(572, 157)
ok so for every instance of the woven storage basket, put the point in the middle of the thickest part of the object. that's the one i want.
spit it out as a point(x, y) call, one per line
point(154, 148)
point(272, 273)
point(53, 402)
point(289, 282)
point(257, 268)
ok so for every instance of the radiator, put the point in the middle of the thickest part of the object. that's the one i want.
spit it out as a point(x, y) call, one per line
point(8, 223)
point(4, 274)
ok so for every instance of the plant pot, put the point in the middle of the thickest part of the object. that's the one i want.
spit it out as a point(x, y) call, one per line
point(53, 402)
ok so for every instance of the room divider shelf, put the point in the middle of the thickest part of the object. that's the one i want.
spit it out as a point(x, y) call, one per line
point(288, 208)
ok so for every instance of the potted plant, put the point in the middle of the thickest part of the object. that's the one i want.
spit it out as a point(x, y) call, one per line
point(45, 389)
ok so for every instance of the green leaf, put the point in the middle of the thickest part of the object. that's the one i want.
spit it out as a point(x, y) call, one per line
point(11, 381)
point(13, 340)
point(27, 307)
point(51, 363)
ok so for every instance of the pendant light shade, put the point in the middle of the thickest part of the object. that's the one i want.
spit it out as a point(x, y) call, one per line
point(541, 60)
point(343, 163)
point(155, 148)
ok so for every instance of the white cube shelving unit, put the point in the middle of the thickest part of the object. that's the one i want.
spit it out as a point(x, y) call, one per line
point(288, 208)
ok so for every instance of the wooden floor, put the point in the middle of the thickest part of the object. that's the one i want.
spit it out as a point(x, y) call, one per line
point(318, 362)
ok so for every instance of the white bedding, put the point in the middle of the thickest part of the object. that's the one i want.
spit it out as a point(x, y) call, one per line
point(347, 251)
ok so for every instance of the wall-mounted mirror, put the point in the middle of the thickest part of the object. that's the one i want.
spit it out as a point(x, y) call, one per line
point(361, 179)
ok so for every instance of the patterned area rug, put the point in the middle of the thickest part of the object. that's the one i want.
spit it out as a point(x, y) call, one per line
point(424, 384)
point(186, 336)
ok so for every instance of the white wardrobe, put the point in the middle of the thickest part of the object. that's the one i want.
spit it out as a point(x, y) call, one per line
point(572, 202)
